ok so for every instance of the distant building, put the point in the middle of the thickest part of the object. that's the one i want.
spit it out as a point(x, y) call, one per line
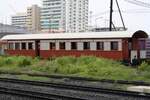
point(53, 16)
point(33, 18)
point(76, 15)
point(19, 20)
point(64, 15)
point(9, 30)
point(29, 20)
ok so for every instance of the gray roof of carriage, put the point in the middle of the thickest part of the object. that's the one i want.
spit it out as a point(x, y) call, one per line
point(87, 35)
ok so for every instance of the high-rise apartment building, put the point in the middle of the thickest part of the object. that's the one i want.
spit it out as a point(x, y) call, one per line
point(76, 15)
point(33, 18)
point(19, 20)
point(29, 20)
point(66, 15)
point(53, 15)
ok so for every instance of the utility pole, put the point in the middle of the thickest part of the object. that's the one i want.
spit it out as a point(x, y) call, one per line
point(111, 11)
point(120, 15)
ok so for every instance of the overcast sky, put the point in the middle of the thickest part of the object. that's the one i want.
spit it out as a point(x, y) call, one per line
point(135, 17)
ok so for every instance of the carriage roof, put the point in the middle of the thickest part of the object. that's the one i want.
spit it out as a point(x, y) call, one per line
point(87, 35)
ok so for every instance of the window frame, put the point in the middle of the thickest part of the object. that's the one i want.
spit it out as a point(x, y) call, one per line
point(52, 46)
point(10, 46)
point(16, 46)
point(24, 45)
point(30, 45)
point(62, 45)
point(100, 46)
point(113, 44)
point(86, 45)
point(74, 45)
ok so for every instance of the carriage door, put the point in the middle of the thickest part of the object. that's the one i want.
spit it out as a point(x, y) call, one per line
point(37, 47)
point(134, 54)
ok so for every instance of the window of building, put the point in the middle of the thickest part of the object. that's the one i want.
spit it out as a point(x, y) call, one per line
point(62, 45)
point(10, 46)
point(86, 45)
point(17, 46)
point(73, 45)
point(23, 45)
point(100, 45)
point(30, 46)
point(52, 46)
point(114, 45)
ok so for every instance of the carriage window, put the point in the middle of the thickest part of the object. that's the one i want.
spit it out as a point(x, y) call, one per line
point(23, 45)
point(62, 45)
point(52, 46)
point(142, 45)
point(17, 46)
point(30, 46)
point(10, 46)
point(73, 45)
point(86, 45)
point(100, 45)
point(114, 45)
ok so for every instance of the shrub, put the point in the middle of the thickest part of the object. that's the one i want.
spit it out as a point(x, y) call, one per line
point(8, 60)
point(24, 61)
point(144, 67)
point(86, 66)
point(64, 61)
point(35, 60)
point(1, 61)
point(85, 60)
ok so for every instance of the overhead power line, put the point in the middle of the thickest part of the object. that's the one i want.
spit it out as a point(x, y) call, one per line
point(139, 3)
point(124, 11)
point(134, 11)
point(100, 13)
point(12, 8)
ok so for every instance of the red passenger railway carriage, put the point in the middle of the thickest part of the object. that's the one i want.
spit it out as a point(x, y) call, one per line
point(121, 45)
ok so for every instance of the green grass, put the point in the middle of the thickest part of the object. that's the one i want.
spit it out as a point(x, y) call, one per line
point(85, 66)
point(25, 77)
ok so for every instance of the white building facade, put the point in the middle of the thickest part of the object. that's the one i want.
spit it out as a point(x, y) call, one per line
point(19, 20)
point(65, 15)
point(53, 15)
point(76, 15)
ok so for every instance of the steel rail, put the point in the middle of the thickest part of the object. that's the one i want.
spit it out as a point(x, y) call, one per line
point(86, 79)
point(94, 80)
point(33, 94)
point(78, 88)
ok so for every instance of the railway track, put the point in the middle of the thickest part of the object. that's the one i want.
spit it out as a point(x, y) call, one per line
point(98, 90)
point(36, 95)
point(85, 79)
point(96, 80)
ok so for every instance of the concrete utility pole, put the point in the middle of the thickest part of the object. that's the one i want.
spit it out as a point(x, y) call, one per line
point(111, 11)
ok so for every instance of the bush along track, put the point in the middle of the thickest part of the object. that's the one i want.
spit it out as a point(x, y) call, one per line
point(85, 66)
